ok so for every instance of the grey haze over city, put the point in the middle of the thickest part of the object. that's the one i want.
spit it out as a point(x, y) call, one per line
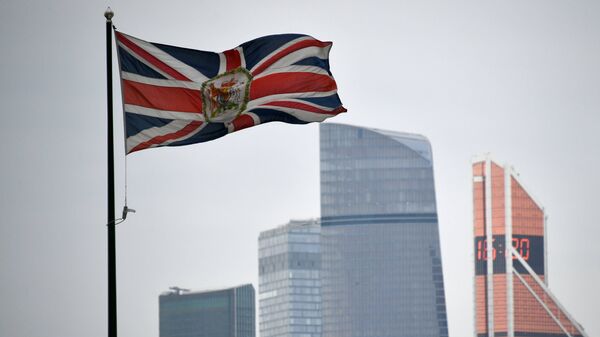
point(518, 79)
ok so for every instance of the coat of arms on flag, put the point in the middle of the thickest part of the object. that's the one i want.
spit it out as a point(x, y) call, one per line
point(226, 96)
point(177, 96)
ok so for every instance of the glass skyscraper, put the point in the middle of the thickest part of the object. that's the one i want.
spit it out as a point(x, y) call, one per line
point(381, 259)
point(218, 313)
point(289, 280)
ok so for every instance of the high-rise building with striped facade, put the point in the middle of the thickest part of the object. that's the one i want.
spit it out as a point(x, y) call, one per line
point(512, 297)
point(289, 280)
point(381, 257)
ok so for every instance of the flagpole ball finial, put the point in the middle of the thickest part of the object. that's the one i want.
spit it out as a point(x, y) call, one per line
point(108, 14)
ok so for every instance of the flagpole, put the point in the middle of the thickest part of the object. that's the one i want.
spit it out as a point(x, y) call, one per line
point(112, 273)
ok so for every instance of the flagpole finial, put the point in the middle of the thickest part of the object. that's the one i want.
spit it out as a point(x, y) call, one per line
point(108, 14)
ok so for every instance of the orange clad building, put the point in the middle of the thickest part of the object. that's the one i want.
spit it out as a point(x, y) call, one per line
point(512, 298)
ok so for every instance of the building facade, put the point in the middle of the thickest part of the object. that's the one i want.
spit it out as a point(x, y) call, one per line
point(289, 280)
point(381, 260)
point(217, 313)
point(512, 297)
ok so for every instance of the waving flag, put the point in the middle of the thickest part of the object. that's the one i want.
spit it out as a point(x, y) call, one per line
point(176, 96)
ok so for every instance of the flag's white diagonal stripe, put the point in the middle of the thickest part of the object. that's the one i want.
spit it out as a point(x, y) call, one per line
point(301, 54)
point(268, 57)
point(202, 126)
point(259, 101)
point(186, 116)
point(255, 119)
point(242, 58)
point(222, 63)
point(143, 60)
point(160, 82)
point(186, 70)
point(326, 108)
point(151, 133)
point(293, 69)
point(302, 115)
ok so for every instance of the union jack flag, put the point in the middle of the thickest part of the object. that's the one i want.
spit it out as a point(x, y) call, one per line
point(176, 96)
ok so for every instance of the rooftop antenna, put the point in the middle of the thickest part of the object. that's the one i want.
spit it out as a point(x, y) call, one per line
point(178, 291)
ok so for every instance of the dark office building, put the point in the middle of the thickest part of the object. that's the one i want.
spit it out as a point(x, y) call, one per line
point(381, 259)
point(216, 313)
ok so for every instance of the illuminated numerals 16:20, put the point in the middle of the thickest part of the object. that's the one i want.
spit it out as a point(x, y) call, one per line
point(521, 245)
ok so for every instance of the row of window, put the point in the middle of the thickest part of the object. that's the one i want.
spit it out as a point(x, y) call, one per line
point(291, 313)
point(290, 247)
point(289, 237)
point(265, 286)
point(290, 290)
point(273, 324)
point(373, 163)
point(289, 274)
point(290, 298)
point(289, 306)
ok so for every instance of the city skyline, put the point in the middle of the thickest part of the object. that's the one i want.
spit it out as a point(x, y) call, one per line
point(290, 265)
point(296, 248)
point(517, 79)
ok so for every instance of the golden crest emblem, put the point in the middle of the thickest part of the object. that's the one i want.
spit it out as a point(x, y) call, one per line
point(225, 96)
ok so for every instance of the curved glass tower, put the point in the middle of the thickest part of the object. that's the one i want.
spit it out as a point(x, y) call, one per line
point(381, 259)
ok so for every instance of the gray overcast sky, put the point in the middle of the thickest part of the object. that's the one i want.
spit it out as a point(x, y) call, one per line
point(520, 79)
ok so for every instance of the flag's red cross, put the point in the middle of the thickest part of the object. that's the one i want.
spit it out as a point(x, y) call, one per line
point(225, 96)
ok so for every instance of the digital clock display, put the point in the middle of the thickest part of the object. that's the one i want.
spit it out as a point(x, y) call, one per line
point(531, 248)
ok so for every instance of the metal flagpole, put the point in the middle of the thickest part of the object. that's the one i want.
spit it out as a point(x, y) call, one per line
point(112, 272)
